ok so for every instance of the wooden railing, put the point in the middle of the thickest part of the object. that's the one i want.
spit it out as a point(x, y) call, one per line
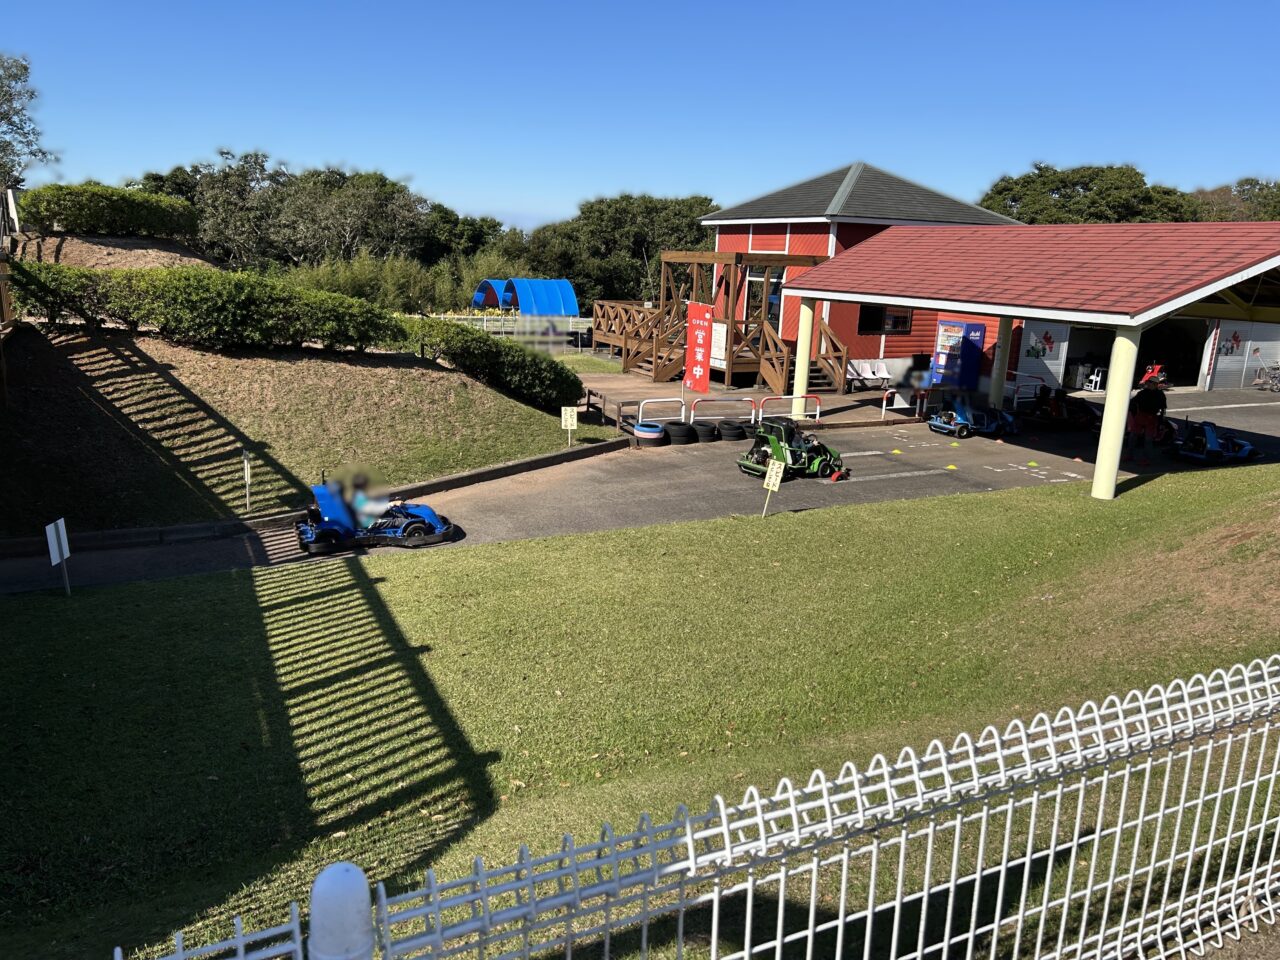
point(833, 355)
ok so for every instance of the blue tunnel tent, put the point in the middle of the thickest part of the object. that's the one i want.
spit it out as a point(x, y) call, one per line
point(488, 294)
point(533, 298)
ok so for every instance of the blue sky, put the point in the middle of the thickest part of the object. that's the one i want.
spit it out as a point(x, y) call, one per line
point(523, 110)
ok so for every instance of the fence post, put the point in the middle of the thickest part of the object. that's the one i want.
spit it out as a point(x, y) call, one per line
point(341, 915)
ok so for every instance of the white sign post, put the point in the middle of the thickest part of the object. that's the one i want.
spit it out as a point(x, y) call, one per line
point(569, 421)
point(59, 551)
point(772, 481)
point(244, 453)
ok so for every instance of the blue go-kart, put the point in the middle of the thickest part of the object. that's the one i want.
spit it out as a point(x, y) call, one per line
point(1204, 443)
point(960, 418)
point(331, 525)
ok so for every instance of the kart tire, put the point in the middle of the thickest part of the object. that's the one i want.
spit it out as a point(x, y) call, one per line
point(962, 431)
point(732, 433)
point(650, 440)
point(707, 431)
point(826, 470)
point(676, 429)
point(648, 430)
point(681, 439)
point(321, 545)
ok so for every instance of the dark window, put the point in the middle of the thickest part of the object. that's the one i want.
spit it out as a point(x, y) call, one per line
point(874, 319)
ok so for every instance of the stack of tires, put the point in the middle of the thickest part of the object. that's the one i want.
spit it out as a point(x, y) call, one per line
point(736, 430)
point(649, 433)
point(680, 434)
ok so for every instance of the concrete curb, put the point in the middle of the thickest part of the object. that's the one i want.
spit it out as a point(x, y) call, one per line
point(222, 529)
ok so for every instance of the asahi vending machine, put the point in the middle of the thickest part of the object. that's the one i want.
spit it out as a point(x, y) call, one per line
point(957, 355)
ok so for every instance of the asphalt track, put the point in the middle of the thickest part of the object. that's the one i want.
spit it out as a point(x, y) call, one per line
point(639, 487)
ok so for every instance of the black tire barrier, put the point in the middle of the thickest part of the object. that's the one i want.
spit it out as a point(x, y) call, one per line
point(647, 441)
point(732, 433)
point(706, 430)
point(677, 429)
point(681, 439)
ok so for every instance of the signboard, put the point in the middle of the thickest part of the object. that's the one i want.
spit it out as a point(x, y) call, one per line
point(56, 534)
point(697, 351)
point(719, 341)
point(568, 418)
point(773, 476)
point(59, 551)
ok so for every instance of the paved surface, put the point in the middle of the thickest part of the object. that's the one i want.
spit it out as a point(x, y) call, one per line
point(639, 487)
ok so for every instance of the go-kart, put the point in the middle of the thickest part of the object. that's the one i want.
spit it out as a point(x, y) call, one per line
point(1205, 443)
point(1056, 410)
point(331, 525)
point(960, 418)
point(778, 438)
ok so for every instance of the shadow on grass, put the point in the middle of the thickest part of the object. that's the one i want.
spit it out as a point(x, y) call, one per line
point(197, 748)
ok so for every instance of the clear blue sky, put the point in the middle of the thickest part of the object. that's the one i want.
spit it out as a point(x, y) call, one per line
point(522, 110)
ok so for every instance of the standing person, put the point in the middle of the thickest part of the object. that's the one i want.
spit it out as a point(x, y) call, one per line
point(1148, 407)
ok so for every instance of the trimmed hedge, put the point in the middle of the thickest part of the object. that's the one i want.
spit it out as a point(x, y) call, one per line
point(112, 211)
point(203, 307)
point(535, 378)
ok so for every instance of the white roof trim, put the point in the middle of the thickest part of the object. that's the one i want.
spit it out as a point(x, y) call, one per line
point(1140, 320)
point(965, 306)
point(710, 221)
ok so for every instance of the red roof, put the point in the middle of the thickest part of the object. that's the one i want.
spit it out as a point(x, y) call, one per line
point(1121, 268)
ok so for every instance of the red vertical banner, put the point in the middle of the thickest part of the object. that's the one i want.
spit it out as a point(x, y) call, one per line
point(697, 351)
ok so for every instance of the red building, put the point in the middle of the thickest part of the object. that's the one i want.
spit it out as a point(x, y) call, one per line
point(825, 216)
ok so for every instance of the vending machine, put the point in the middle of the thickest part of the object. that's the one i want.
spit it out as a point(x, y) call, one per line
point(957, 355)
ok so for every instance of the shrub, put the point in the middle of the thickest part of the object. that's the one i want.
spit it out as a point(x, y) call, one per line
point(535, 378)
point(204, 307)
point(93, 208)
point(393, 283)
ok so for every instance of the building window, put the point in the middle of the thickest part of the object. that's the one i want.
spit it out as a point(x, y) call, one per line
point(874, 319)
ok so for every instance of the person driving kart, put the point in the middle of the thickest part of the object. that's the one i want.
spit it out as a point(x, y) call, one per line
point(367, 508)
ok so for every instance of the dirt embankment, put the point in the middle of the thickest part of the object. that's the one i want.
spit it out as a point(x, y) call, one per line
point(103, 253)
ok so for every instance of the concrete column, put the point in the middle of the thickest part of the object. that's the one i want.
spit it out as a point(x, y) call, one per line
point(1000, 362)
point(1115, 411)
point(804, 350)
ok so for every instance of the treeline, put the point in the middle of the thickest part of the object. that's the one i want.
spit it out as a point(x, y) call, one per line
point(1121, 194)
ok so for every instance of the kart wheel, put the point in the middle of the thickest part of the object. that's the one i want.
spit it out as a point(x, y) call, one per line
point(826, 470)
point(322, 544)
point(962, 431)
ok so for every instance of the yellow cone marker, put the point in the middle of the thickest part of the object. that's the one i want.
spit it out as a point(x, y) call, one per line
point(1032, 463)
point(955, 443)
point(895, 451)
point(951, 466)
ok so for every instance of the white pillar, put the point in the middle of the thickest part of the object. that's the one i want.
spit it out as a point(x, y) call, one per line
point(341, 915)
point(804, 351)
point(1115, 411)
point(1000, 362)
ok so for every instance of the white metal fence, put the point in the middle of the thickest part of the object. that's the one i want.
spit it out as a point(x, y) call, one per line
point(1142, 826)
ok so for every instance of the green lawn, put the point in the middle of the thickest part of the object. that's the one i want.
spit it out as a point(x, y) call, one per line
point(114, 430)
point(590, 362)
point(182, 750)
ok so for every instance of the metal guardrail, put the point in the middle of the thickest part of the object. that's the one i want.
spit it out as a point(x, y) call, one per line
point(1146, 823)
point(817, 403)
point(640, 417)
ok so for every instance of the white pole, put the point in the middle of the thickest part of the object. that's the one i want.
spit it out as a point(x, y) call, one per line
point(1115, 411)
point(341, 915)
point(767, 494)
point(804, 347)
point(244, 454)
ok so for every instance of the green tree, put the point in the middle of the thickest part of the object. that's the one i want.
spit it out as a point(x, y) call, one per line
point(1091, 194)
point(612, 248)
point(20, 145)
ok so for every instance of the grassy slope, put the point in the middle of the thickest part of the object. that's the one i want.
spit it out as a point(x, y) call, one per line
point(590, 362)
point(121, 431)
point(415, 710)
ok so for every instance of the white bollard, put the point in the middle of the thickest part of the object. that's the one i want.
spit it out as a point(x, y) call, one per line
point(341, 915)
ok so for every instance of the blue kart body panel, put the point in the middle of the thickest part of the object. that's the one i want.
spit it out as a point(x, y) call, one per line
point(960, 418)
point(1204, 442)
point(332, 525)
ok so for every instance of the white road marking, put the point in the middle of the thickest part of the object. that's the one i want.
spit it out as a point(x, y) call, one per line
point(1222, 406)
point(892, 476)
point(861, 453)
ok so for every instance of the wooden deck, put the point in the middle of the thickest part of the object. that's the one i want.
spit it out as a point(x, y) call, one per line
point(650, 337)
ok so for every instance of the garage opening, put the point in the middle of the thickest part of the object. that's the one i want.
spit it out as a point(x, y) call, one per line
point(1179, 344)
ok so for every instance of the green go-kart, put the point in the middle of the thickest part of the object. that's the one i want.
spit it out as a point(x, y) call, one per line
point(778, 438)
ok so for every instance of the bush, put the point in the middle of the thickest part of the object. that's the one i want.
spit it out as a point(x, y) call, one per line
point(204, 307)
point(393, 283)
point(92, 208)
point(535, 378)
